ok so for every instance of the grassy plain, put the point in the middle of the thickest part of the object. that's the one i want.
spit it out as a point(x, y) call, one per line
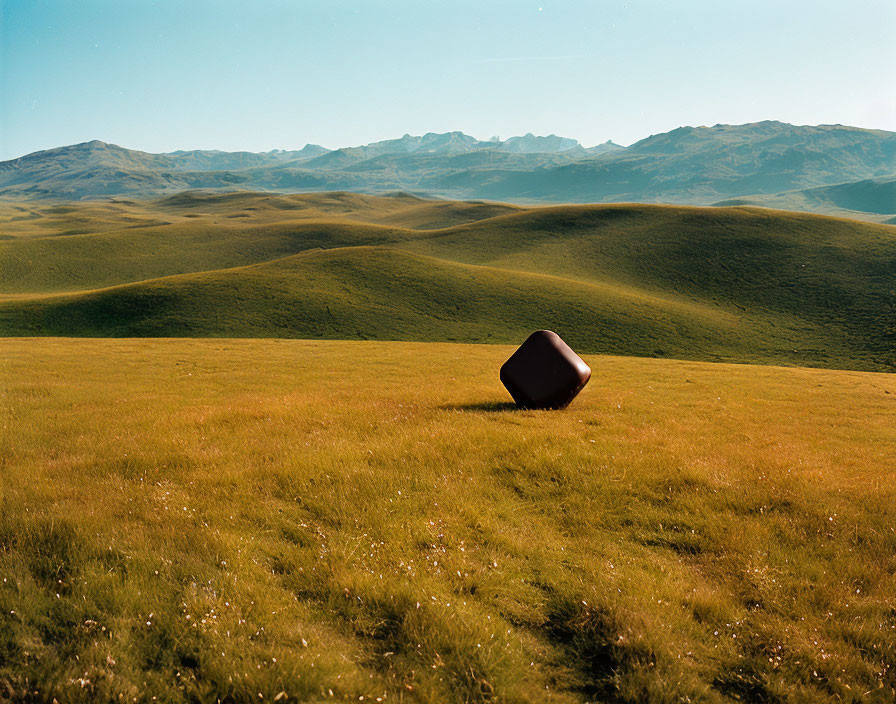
point(717, 284)
point(290, 520)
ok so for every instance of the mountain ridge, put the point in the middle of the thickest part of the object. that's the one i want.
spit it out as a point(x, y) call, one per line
point(687, 165)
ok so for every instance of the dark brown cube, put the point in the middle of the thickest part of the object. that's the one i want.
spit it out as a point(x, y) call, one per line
point(544, 372)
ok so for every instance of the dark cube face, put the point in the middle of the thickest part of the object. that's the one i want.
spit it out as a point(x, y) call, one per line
point(544, 372)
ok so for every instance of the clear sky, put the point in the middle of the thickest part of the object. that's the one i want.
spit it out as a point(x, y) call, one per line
point(264, 74)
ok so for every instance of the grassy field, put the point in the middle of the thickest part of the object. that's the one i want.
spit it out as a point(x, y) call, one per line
point(716, 284)
point(280, 520)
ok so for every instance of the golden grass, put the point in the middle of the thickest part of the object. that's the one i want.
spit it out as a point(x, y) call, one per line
point(248, 520)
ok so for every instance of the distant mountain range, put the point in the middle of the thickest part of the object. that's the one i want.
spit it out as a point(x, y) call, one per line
point(766, 163)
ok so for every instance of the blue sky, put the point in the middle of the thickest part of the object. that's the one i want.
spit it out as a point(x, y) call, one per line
point(180, 74)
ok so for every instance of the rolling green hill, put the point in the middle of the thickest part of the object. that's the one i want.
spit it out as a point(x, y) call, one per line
point(736, 284)
point(35, 219)
point(385, 293)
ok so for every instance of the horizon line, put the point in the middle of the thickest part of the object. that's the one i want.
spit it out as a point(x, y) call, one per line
point(407, 134)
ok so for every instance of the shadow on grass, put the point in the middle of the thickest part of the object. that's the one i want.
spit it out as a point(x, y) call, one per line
point(484, 407)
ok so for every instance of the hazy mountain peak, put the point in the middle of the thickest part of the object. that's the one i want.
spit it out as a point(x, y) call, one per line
point(604, 148)
point(86, 153)
point(310, 150)
point(531, 144)
point(96, 145)
point(698, 165)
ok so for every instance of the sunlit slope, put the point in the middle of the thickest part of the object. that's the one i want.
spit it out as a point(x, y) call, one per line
point(38, 219)
point(705, 283)
point(398, 209)
point(80, 262)
point(78, 246)
point(378, 293)
point(832, 273)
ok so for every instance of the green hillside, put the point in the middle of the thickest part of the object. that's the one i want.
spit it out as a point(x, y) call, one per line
point(20, 220)
point(831, 273)
point(372, 293)
point(703, 283)
point(79, 262)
